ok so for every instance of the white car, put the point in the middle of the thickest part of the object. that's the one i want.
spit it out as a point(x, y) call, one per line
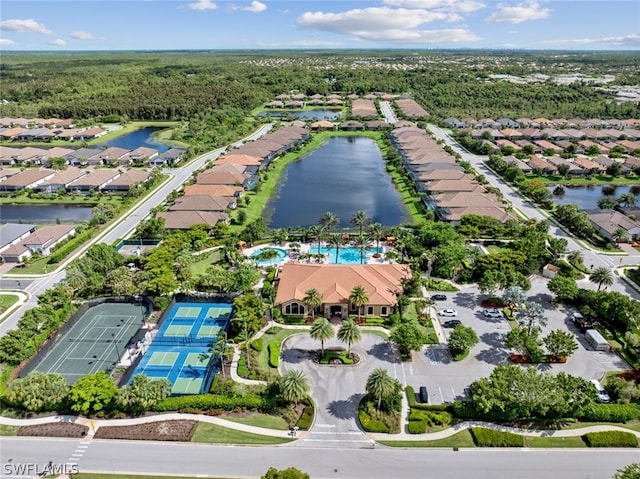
point(492, 313)
point(602, 396)
point(448, 312)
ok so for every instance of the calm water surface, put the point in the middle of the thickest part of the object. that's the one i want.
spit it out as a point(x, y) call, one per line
point(304, 115)
point(345, 175)
point(44, 213)
point(586, 197)
point(139, 138)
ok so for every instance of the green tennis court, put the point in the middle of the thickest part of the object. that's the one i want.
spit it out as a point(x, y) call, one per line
point(187, 386)
point(187, 312)
point(197, 359)
point(163, 359)
point(207, 331)
point(178, 330)
point(96, 342)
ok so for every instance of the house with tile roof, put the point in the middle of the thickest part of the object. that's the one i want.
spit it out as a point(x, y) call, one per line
point(60, 180)
point(183, 220)
point(334, 282)
point(213, 190)
point(41, 241)
point(204, 203)
point(29, 178)
point(607, 222)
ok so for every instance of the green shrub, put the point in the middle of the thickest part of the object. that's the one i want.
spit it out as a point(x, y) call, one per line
point(610, 439)
point(484, 437)
point(435, 284)
point(612, 413)
point(243, 370)
point(274, 354)
point(256, 344)
point(63, 251)
point(306, 418)
point(371, 425)
point(464, 410)
point(294, 319)
point(275, 313)
point(208, 402)
point(417, 427)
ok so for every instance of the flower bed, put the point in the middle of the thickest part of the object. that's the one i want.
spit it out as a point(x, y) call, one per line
point(54, 429)
point(152, 431)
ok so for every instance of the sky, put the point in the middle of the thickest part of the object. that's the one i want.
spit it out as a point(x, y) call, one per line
point(319, 24)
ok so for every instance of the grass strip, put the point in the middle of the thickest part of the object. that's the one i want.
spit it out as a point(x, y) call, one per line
point(214, 434)
point(260, 420)
point(459, 439)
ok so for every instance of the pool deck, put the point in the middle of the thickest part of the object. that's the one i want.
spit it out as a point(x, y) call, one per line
point(298, 255)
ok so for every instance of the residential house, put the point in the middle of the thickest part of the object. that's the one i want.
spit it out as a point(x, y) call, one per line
point(226, 178)
point(454, 215)
point(170, 157)
point(89, 134)
point(536, 162)
point(589, 165)
point(411, 109)
point(454, 123)
point(111, 156)
point(322, 125)
point(127, 181)
point(204, 203)
point(381, 282)
point(60, 180)
point(81, 157)
point(606, 223)
point(239, 159)
point(29, 178)
point(351, 125)
point(41, 241)
point(140, 154)
point(183, 220)
point(521, 165)
point(574, 169)
point(11, 133)
point(95, 180)
point(448, 186)
point(13, 233)
point(213, 190)
point(547, 145)
point(8, 172)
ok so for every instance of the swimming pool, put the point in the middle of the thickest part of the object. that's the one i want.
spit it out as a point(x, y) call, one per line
point(282, 254)
point(346, 255)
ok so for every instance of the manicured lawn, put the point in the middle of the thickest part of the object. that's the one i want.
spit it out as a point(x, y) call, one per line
point(594, 180)
point(375, 332)
point(262, 368)
point(8, 430)
point(211, 433)
point(203, 262)
point(409, 196)
point(550, 442)
point(260, 420)
point(7, 300)
point(460, 439)
point(341, 355)
point(39, 266)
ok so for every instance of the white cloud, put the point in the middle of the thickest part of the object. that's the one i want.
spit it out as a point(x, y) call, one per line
point(81, 35)
point(58, 42)
point(24, 25)
point(631, 40)
point(463, 6)
point(256, 7)
point(6, 41)
point(203, 5)
point(523, 12)
point(387, 25)
point(301, 43)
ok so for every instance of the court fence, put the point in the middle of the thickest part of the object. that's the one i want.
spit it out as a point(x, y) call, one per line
point(61, 332)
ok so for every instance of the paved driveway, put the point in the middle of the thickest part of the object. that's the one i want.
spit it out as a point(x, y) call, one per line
point(337, 390)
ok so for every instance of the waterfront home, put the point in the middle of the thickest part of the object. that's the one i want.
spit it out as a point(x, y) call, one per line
point(60, 180)
point(127, 181)
point(606, 223)
point(204, 203)
point(213, 190)
point(29, 178)
point(183, 220)
point(95, 180)
point(13, 233)
point(41, 241)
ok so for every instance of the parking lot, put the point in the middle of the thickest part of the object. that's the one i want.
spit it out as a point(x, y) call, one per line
point(447, 380)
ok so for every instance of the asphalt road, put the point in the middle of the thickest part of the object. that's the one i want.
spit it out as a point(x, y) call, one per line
point(528, 209)
point(251, 462)
point(115, 231)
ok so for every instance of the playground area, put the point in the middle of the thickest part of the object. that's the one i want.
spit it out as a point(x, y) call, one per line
point(96, 342)
point(180, 349)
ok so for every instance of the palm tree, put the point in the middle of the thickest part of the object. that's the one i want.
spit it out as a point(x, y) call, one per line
point(360, 220)
point(218, 348)
point(317, 232)
point(294, 386)
point(336, 240)
point(267, 254)
point(514, 296)
point(575, 257)
point(628, 200)
point(312, 300)
point(376, 232)
point(620, 235)
point(244, 336)
point(358, 297)
point(329, 221)
point(76, 279)
point(601, 276)
point(380, 384)
point(362, 243)
point(531, 315)
point(322, 330)
point(349, 333)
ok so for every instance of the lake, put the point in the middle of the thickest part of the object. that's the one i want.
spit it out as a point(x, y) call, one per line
point(586, 197)
point(44, 213)
point(344, 175)
point(304, 115)
point(138, 138)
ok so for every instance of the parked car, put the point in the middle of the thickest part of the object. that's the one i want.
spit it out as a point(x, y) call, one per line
point(452, 323)
point(602, 395)
point(492, 313)
point(424, 395)
point(439, 297)
point(448, 312)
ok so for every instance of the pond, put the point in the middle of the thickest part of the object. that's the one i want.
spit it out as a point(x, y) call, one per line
point(44, 213)
point(586, 197)
point(138, 138)
point(304, 115)
point(344, 175)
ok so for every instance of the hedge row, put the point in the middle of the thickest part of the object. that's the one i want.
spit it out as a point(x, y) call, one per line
point(207, 402)
point(613, 413)
point(66, 249)
point(432, 418)
point(610, 439)
point(306, 418)
point(484, 437)
point(417, 427)
point(243, 370)
point(256, 344)
point(274, 354)
point(411, 397)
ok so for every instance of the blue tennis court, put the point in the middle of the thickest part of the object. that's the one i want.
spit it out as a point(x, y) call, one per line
point(180, 350)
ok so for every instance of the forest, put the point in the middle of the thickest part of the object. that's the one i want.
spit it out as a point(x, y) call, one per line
point(184, 85)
